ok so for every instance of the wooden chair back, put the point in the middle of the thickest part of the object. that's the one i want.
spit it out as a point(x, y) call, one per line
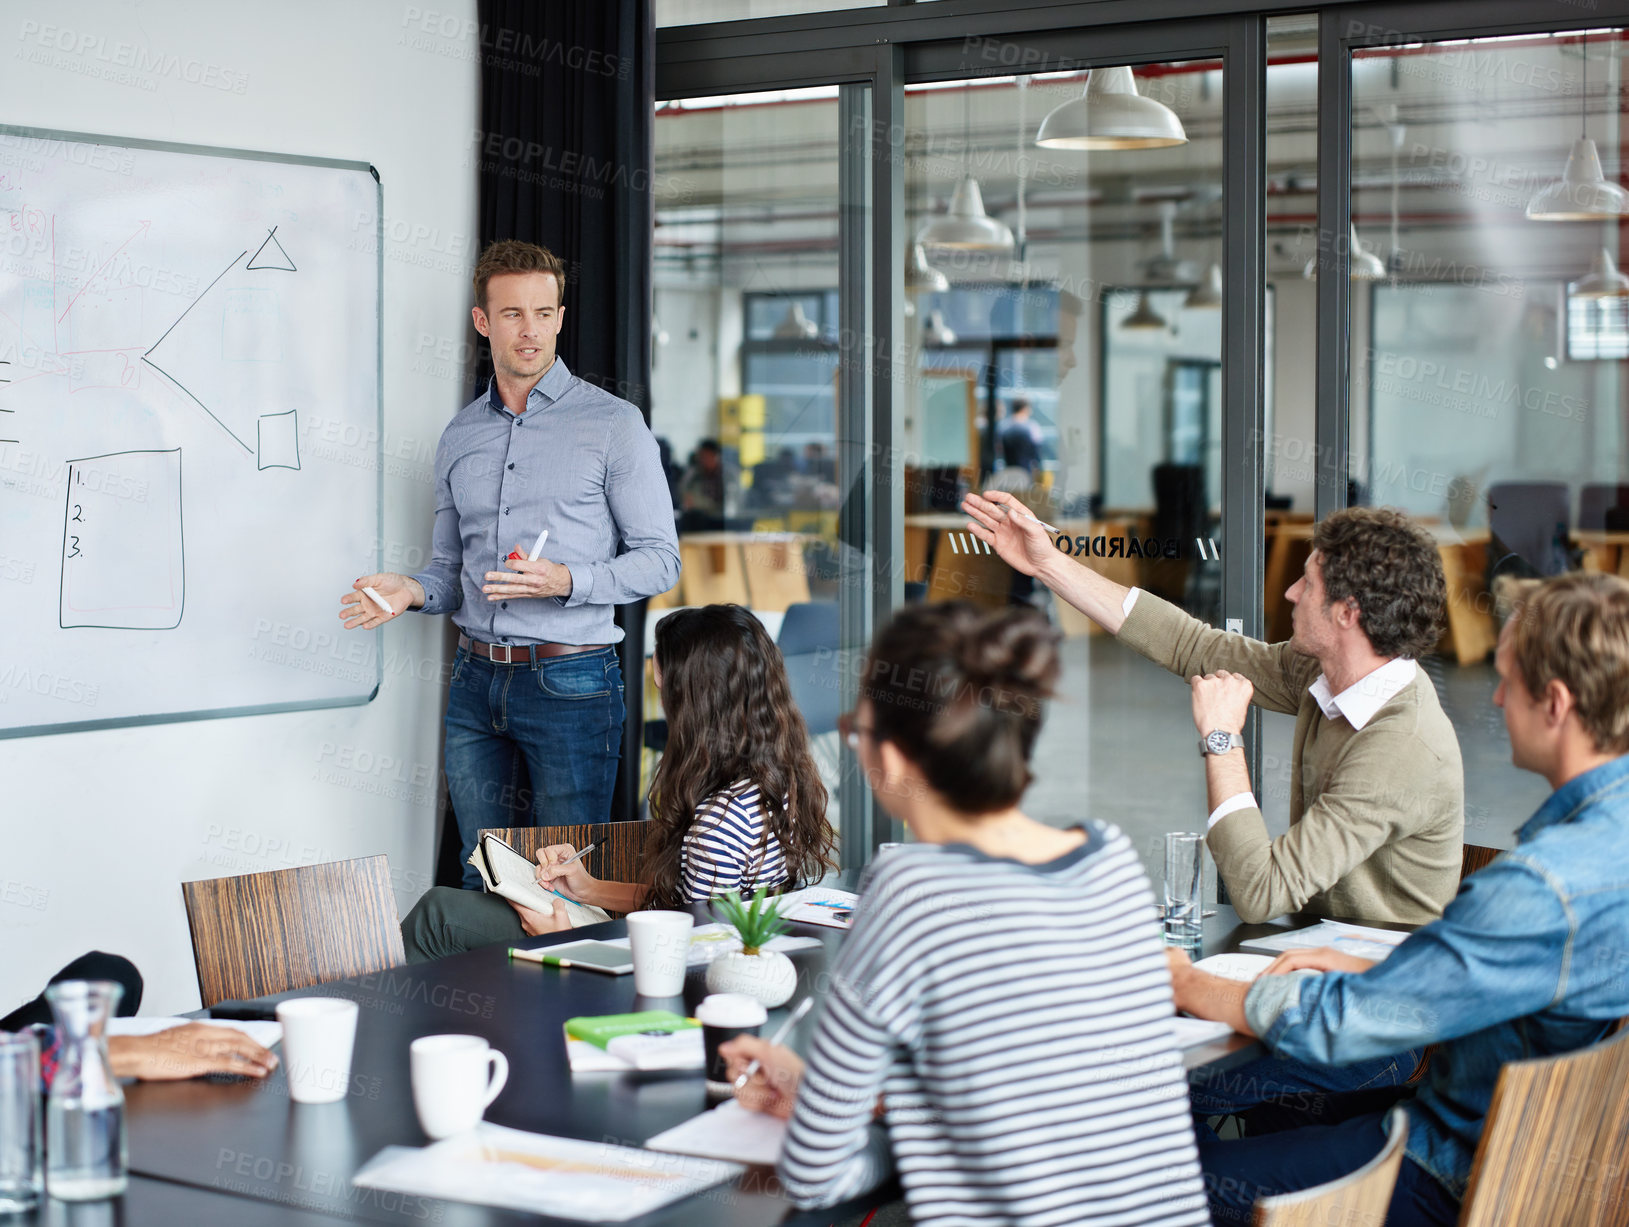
point(619, 847)
point(261, 933)
point(1360, 1198)
point(1476, 857)
point(1554, 1143)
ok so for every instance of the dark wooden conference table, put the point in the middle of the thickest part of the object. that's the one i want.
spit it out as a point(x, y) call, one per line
point(241, 1153)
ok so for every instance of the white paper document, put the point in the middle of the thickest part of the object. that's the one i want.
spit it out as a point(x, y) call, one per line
point(729, 1132)
point(535, 1173)
point(819, 906)
point(1359, 941)
point(1192, 1032)
point(263, 1032)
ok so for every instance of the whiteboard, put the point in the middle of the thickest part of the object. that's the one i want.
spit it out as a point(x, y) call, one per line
point(189, 430)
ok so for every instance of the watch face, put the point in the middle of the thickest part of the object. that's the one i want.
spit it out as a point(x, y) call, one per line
point(1218, 742)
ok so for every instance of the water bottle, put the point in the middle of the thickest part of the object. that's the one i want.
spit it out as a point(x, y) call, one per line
point(86, 1158)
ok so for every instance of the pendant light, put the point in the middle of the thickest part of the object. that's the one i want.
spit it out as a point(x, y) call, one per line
point(1111, 114)
point(935, 331)
point(1145, 318)
point(1584, 192)
point(965, 226)
point(1207, 295)
point(921, 277)
point(796, 326)
point(1602, 281)
point(1364, 264)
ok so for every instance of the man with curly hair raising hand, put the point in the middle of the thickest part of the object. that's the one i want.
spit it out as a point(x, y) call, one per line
point(1377, 788)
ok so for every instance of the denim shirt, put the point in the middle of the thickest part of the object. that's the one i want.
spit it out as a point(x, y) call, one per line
point(1530, 959)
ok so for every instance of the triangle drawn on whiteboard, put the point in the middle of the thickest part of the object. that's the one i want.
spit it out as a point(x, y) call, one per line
point(272, 255)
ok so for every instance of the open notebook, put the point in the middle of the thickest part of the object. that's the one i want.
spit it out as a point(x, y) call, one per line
point(510, 875)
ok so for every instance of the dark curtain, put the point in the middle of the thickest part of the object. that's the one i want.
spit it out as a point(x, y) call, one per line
point(568, 94)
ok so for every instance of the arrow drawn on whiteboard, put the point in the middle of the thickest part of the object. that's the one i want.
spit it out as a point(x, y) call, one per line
point(241, 443)
point(141, 232)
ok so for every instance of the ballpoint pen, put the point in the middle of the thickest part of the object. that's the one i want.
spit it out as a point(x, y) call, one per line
point(792, 1020)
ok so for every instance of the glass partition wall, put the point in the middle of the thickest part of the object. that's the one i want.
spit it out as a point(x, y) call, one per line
point(1407, 319)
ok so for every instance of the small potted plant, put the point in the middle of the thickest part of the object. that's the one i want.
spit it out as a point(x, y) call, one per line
point(765, 974)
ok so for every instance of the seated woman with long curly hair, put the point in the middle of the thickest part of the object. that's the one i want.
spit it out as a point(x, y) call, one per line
point(736, 802)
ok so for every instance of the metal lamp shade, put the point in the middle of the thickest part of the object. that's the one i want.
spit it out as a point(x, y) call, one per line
point(1145, 318)
point(1111, 115)
point(1583, 194)
point(1602, 281)
point(965, 225)
point(1364, 265)
point(1207, 295)
point(920, 276)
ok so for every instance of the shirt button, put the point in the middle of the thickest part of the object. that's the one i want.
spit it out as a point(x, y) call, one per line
point(511, 466)
point(506, 511)
point(503, 604)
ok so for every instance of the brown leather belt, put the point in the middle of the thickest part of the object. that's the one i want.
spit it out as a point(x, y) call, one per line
point(515, 654)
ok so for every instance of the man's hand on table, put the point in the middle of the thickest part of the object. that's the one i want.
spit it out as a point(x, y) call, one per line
point(1206, 996)
point(189, 1051)
point(1322, 959)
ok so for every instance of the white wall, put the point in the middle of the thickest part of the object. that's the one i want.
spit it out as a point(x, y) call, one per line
point(97, 830)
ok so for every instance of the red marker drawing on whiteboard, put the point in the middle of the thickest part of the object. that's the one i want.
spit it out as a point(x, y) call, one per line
point(514, 555)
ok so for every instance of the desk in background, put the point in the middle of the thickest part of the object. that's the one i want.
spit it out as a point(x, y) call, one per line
point(1604, 552)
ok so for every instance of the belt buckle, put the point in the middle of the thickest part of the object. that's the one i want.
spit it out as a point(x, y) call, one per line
point(508, 653)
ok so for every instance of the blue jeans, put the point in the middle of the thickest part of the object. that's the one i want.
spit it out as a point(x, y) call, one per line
point(1277, 1093)
point(1238, 1173)
point(532, 745)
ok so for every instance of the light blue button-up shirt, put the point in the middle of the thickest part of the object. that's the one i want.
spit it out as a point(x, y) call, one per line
point(579, 462)
point(1530, 959)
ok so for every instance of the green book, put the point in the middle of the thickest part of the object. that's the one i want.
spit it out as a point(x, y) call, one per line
point(601, 1029)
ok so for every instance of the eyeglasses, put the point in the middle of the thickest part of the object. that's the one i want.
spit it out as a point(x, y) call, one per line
point(852, 730)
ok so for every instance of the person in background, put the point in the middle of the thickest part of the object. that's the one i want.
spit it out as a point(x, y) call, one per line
point(1001, 1000)
point(1020, 438)
point(736, 802)
point(1527, 961)
point(701, 491)
point(535, 711)
point(187, 1051)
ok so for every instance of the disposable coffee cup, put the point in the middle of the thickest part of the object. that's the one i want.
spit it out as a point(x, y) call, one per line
point(318, 1036)
point(455, 1080)
point(660, 945)
point(723, 1016)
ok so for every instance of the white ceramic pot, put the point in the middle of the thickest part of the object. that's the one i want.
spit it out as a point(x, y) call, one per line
point(767, 976)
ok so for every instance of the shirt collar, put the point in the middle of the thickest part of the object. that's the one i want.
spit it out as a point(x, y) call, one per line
point(1577, 794)
point(548, 389)
point(1359, 701)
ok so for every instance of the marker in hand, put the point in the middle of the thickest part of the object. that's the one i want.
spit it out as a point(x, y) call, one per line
point(379, 601)
point(514, 555)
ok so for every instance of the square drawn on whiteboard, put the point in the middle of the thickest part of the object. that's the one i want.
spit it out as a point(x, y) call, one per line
point(123, 561)
point(278, 435)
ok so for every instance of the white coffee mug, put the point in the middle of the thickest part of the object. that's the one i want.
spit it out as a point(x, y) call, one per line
point(660, 943)
point(455, 1080)
point(318, 1036)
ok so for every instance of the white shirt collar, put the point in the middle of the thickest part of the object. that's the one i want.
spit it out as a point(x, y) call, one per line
point(1359, 701)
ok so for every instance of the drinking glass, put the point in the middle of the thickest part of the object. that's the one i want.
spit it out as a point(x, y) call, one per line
point(86, 1156)
point(21, 1175)
point(1184, 896)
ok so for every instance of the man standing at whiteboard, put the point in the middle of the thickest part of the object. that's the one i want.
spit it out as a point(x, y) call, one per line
point(534, 717)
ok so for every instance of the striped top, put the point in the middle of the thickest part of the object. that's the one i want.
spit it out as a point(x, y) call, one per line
point(729, 846)
point(1016, 1020)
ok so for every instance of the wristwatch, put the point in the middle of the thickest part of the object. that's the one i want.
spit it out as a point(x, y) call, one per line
point(1219, 741)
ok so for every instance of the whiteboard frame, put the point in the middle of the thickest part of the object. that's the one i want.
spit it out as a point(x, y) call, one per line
point(252, 155)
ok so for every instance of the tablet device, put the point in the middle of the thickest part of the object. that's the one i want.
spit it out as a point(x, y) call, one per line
point(596, 956)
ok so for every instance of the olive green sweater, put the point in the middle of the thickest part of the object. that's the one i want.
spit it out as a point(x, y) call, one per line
point(1377, 814)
